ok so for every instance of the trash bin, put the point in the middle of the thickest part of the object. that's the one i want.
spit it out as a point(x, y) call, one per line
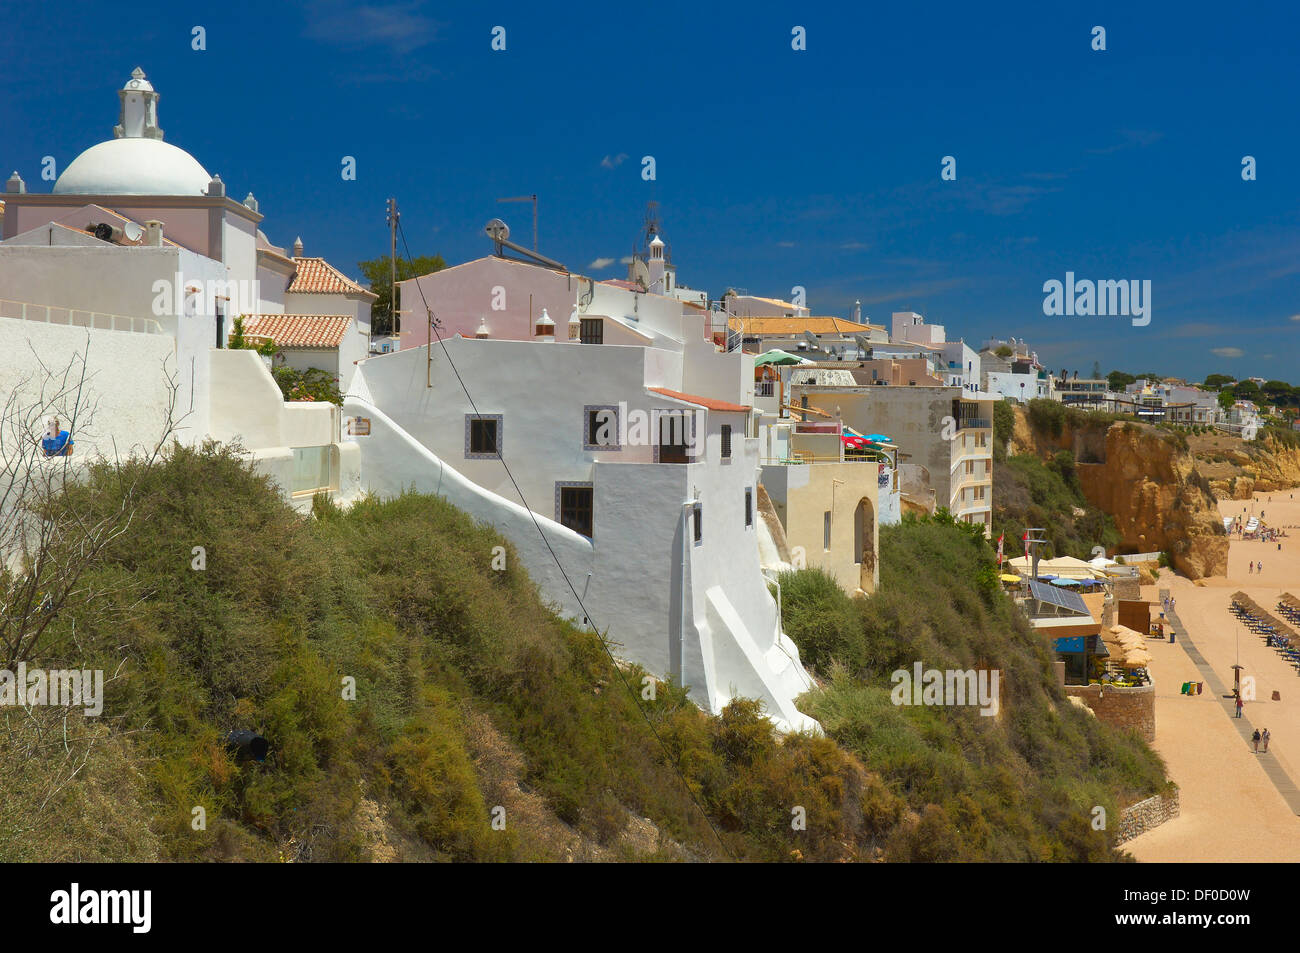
point(1173, 636)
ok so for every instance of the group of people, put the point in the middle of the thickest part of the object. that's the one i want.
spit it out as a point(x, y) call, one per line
point(1168, 602)
point(1257, 566)
point(1259, 736)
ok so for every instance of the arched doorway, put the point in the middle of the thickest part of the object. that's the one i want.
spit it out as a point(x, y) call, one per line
point(864, 543)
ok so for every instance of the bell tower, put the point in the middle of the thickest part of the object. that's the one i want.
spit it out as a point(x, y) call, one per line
point(138, 116)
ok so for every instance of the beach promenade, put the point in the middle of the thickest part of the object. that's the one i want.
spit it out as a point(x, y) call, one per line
point(1236, 805)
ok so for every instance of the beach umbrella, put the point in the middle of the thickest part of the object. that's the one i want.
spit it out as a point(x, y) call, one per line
point(778, 356)
point(853, 440)
point(878, 438)
point(1137, 659)
point(1009, 577)
point(1065, 582)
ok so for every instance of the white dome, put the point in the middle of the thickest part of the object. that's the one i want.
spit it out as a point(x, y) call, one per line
point(133, 166)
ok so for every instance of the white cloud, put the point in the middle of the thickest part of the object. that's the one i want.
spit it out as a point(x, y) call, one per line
point(600, 264)
point(785, 244)
point(625, 260)
point(613, 162)
point(1295, 317)
point(1227, 351)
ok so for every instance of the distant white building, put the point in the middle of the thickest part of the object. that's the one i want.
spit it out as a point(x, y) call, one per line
point(1017, 375)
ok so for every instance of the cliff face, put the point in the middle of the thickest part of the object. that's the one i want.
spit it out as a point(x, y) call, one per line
point(1235, 472)
point(1149, 485)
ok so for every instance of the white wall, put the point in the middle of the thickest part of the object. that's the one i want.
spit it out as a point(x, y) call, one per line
point(125, 379)
point(254, 414)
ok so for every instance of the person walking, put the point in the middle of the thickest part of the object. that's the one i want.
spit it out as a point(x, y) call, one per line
point(1238, 694)
point(1264, 738)
point(1255, 740)
point(1251, 568)
point(1259, 566)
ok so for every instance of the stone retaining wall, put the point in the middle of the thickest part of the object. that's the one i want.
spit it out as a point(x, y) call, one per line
point(1144, 815)
point(1133, 708)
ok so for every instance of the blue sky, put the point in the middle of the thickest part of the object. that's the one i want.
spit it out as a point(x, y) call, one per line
point(775, 168)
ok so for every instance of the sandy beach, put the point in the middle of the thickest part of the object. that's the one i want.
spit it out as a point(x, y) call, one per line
point(1231, 809)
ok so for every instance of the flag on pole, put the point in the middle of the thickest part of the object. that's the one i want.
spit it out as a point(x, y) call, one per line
point(1000, 539)
point(1025, 539)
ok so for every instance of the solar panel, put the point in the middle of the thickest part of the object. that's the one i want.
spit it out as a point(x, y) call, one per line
point(1056, 596)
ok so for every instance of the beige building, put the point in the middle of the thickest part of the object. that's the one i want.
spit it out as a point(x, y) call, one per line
point(944, 436)
point(829, 510)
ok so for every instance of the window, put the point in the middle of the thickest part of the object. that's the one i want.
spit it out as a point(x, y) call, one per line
point(672, 437)
point(574, 507)
point(826, 531)
point(600, 428)
point(483, 434)
point(749, 506)
point(697, 514)
point(592, 331)
point(726, 441)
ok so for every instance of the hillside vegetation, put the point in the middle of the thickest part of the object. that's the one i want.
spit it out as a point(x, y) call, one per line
point(474, 701)
point(1031, 492)
point(1021, 785)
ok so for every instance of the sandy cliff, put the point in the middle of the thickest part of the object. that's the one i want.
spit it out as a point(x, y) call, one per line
point(1148, 482)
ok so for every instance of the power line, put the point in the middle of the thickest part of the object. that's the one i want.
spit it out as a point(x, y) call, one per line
point(558, 565)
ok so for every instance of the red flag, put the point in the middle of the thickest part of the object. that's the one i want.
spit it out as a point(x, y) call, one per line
point(1025, 540)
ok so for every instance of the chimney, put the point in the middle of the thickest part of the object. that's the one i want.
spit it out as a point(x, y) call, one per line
point(297, 247)
point(153, 233)
point(545, 329)
point(250, 202)
point(15, 185)
point(216, 186)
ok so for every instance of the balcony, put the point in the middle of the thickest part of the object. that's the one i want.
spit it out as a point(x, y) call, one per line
point(975, 423)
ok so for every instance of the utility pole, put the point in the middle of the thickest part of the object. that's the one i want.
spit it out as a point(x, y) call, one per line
point(526, 198)
point(393, 216)
point(1034, 542)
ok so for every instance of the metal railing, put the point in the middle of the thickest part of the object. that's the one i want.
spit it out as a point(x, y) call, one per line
point(77, 317)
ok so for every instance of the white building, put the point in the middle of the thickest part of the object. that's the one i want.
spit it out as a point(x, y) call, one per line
point(1017, 375)
point(653, 538)
point(135, 264)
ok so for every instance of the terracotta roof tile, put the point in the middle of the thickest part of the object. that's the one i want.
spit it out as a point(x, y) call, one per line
point(707, 402)
point(785, 326)
point(317, 276)
point(299, 330)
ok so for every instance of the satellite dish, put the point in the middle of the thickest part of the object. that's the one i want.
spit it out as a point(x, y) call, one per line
point(498, 230)
point(813, 340)
point(132, 231)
